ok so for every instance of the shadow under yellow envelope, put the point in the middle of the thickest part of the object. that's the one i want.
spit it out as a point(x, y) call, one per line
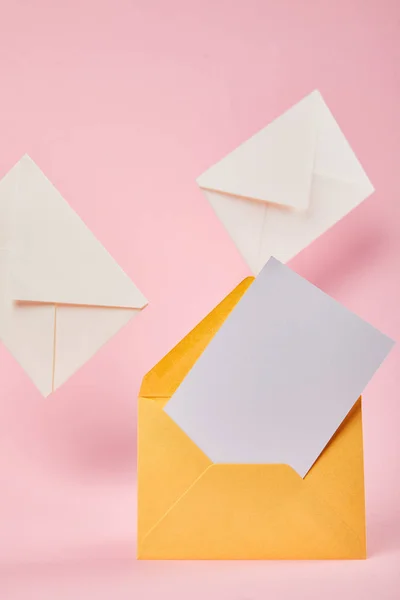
point(190, 508)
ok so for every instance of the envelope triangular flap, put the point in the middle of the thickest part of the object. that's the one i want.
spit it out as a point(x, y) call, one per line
point(57, 258)
point(273, 166)
point(287, 366)
point(164, 378)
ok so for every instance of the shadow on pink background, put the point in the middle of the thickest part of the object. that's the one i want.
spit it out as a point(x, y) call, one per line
point(123, 103)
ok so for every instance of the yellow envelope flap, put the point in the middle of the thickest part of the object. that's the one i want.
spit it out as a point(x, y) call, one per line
point(163, 379)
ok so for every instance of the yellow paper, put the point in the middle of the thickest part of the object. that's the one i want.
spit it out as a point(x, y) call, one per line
point(190, 508)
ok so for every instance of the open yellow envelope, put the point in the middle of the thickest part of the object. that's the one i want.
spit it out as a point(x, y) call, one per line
point(190, 508)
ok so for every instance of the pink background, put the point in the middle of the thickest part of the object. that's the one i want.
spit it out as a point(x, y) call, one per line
point(123, 103)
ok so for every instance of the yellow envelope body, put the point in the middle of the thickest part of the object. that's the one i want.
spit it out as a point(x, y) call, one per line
point(190, 508)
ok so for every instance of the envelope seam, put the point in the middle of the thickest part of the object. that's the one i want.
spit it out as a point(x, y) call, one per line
point(262, 234)
point(249, 198)
point(339, 179)
point(161, 519)
point(73, 305)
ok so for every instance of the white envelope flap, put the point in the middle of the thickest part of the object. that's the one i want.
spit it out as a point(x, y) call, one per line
point(279, 376)
point(275, 165)
point(55, 257)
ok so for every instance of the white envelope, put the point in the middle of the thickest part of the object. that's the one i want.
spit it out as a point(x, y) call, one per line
point(62, 296)
point(286, 185)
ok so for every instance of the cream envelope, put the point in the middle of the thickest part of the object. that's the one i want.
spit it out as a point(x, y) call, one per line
point(62, 296)
point(286, 185)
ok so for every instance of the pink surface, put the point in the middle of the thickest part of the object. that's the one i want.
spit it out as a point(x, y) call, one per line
point(123, 103)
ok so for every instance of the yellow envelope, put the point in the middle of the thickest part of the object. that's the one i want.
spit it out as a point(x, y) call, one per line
point(190, 508)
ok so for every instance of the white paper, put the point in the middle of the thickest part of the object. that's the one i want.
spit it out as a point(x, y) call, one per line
point(49, 257)
point(288, 184)
point(279, 377)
